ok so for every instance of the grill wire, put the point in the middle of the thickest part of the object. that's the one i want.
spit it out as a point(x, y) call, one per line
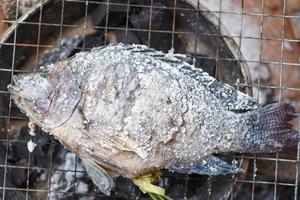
point(269, 176)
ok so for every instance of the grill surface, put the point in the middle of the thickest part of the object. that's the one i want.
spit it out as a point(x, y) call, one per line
point(265, 32)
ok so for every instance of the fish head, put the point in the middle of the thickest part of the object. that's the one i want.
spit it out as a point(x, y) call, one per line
point(32, 93)
point(47, 99)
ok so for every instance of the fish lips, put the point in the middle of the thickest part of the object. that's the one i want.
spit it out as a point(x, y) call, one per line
point(35, 111)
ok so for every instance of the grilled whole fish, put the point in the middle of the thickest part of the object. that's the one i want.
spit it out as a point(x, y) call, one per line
point(128, 110)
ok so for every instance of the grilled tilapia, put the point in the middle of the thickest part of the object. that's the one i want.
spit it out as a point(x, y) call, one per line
point(128, 110)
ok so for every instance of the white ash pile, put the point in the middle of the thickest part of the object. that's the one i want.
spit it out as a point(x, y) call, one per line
point(69, 178)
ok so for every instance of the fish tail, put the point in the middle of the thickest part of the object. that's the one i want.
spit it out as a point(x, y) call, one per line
point(270, 130)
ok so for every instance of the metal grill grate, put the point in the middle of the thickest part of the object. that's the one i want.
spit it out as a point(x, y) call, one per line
point(267, 40)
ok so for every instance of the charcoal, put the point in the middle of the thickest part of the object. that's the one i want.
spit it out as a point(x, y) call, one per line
point(18, 156)
point(15, 195)
point(161, 20)
point(41, 155)
point(20, 149)
point(12, 155)
point(163, 42)
point(140, 2)
point(116, 14)
point(99, 15)
point(12, 195)
point(160, 41)
point(4, 104)
point(120, 36)
point(19, 177)
point(204, 62)
point(93, 40)
point(131, 38)
point(116, 19)
point(15, 111)
point(20, 146)
point(68, 47)
point(125, 188)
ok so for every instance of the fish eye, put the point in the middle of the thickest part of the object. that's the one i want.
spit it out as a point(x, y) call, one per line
point(40, 80)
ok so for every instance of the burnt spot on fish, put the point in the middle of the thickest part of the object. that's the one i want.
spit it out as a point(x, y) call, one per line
point(169, 101)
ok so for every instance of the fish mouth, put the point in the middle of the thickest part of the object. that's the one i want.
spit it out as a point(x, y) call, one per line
point(13, 90)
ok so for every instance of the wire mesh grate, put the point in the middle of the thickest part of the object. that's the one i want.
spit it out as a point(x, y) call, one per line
point(265, 39)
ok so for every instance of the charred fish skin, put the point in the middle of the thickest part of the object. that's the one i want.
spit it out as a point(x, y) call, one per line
point(133, 110)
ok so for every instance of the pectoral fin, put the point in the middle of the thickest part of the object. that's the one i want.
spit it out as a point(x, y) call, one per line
point(210, 166)
point(99, 176)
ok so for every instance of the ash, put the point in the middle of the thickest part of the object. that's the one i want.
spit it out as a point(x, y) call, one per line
point(69, 179)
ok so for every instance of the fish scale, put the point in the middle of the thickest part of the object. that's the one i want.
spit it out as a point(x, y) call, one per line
point(129, 110)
